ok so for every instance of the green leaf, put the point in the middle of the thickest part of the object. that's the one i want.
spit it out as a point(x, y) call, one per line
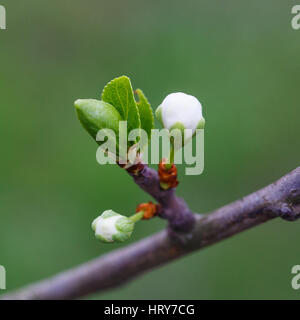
point(119, 94)
point(95, 115)
point(146, 113)
point(158, 114)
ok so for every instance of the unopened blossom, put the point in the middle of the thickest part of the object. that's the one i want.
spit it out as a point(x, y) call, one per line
point(181, 111)
point(111, 226)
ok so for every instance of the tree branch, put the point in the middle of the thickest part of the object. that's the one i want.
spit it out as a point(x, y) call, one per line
point(280, 199)
point(174, 209)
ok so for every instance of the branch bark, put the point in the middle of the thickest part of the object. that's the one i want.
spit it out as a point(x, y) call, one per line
point(280, 199)
point(173, 209)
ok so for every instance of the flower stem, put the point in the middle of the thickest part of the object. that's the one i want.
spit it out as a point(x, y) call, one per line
point(171, 158)
point(137, 216)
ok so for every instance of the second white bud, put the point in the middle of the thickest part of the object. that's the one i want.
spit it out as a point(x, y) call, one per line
point(111, 226)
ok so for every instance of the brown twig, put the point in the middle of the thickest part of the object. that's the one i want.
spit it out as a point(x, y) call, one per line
point(281, 198)
point(174, 209)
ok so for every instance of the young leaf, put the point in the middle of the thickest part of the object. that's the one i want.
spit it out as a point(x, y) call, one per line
point(119, 94)
point(95, 115)
point(146, 113)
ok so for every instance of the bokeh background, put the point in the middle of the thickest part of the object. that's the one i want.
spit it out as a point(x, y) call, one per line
point(240, 58)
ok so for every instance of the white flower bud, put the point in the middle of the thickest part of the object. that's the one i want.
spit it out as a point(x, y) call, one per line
point(180, 111)
point(110, 226)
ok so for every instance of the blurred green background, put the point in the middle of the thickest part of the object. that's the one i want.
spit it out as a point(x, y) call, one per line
point(240, 58)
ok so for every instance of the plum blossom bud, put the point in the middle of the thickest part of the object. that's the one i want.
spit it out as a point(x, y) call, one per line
point(181, 111)
point(111, 226)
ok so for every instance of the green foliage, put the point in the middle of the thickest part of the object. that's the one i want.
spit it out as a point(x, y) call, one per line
point(95, 115)
point(119, 93)
point(158, 114)
point(118, 104)
point(146, 114)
